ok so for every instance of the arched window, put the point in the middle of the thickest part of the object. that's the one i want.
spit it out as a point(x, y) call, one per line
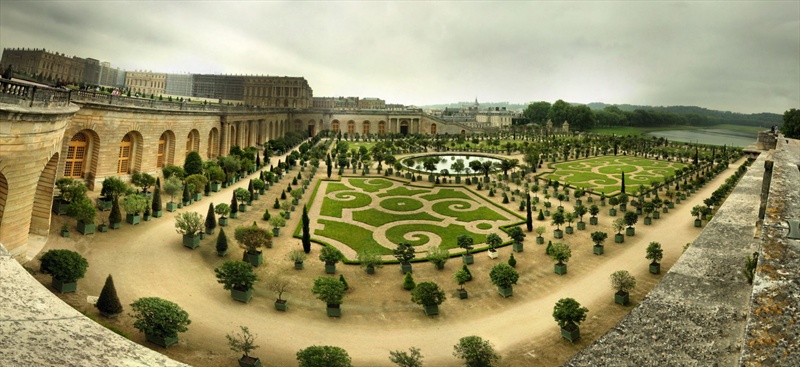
point(125, 148)
point(76, 156)
point(162, 149)
point(351, 127)
point(382, 127)
point(433, 129)
point(365, 127)
point(335, 126)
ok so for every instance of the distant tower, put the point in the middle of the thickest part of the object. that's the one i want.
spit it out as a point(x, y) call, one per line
point(565, 127)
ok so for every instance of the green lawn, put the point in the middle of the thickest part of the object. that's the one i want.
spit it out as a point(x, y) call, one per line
point(604, 174)
point(449, 234)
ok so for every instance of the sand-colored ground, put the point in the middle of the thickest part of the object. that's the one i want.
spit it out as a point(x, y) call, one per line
point(378, 316)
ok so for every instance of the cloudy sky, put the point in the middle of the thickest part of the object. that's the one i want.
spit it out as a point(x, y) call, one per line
point(736, 56)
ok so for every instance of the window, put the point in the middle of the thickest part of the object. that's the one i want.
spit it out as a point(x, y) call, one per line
point(125, 147)
point(76, 155)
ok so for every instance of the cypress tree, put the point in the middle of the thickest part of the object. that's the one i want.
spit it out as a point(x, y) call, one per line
point(234, 204)
point(541, 215)
point(115, 216)
point(622, 189)
point(306, 231)
point(108, 302)
point(408, 282)
point(549, 248)
point(258, 160)
point(222, 241)
point(157, 196)
point(329, 165)
point(529, 220)
point(250, 189)
point(344, 282)
point(211, 219)
point(277, 205)
point(186, 197)
point(193, 164)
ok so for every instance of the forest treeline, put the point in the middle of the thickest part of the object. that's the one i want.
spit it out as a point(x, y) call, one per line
point(593, 115)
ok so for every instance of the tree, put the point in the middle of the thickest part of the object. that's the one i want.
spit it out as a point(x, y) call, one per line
point(598, 237)
point(329, 290)
point(156, 204)
point(465, 241)
point(791, 124)
point(189, 223)
point(108, 302)
point(560, 253)
point(159, 317)
point(211, 220)
point(503, 275)
point(630, 219)
point(537, 112)
point(222, 241)
point(558, 219)
point(569, 313)
point(427, 294)
point(242, 342)
point(622, 281)
point(516, 234)
point(493, 240)
point(323, 356)
point(193, 165)
point(408, 282)
point(306, 231)
point(251, 238)
point(654, 252)
point(529, 217)
point(559, 112)
point(143, 180)
point(115, 216)
point(476, 352)
point(411, 359)
point(235, 274)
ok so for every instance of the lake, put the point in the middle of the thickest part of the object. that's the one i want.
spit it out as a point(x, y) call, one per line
point(708, 136)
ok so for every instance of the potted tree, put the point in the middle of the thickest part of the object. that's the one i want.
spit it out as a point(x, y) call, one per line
point(143, 181)
point(279, 284)
point(160, 320)
point(211, 219)
point(623, 282)
point(580, 211)
point(568, 313)
point(465, 241)
point(108, 302)
point(598, 237)
point(539, 232)
point(504, 277)
point(196, 183)
point(655, 254)
point(648, 207)
point(593, 211)
point(331, 291)
point(429, 296)
point(251, 238)
point(296, 195)
point(325, 355)
point(298, 257)
point(614, 201)
point(65, 267)
point(560, 253)
point(330, 256)
point(259, 186)
point(697, 211)
point(222, 210)
point(189, 225)
point(67, 189)
point(493, 240)
point(244, 342)
point(277, 222)
point(618, 225)
point(172, 186)
point(237, 277)
point(461, 277)
point(475, 351)
point(369, 261)
point(134, 206)
point(517, 235)
point(222, 243)
point(243, 196)
point(84, 212)
point(438, 256)
point(630, 219)
point(215, 176)
point(404, 253)
point(558, 220)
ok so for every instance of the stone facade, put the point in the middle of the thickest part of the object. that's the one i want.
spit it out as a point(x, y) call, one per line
point(146, 83)
point(49, 65)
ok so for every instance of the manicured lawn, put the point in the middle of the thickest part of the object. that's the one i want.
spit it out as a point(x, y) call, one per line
point(459, 210)
point(357, 237)
point(604, 174)
point(370, 185)
point(400, 204)
point(344, 200)
point(377, 218)
point(449, 235)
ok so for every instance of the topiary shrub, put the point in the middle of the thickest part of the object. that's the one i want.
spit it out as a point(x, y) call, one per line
point(108, 302)
point(408, 282)
point(65, 265)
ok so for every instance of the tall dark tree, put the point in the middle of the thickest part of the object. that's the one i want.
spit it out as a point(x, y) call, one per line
point(234, 204)
point(193, 164)
point(258, 160)
point(537, 112)
point(791, 124)
point(211, 219)
point(329, 165)
point(222, 241)
point(250, 189)
point(306, 231)
point(116, 215)
point(108, 302)
point(186, 197)
point(529, 220)
point(622, 189)
point(157, 196)
point(559, 112)
point(696, 156)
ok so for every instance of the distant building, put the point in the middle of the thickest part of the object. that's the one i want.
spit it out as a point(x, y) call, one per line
point(179, 85)
point(323, 102)
point(146, 82)
point(108, 75)
point(91, 71)
point(277, 91)
point(371, 104)
point(39, 63)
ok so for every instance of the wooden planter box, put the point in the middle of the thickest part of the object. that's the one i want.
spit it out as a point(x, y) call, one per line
point(171, 207)
point(431, 310)
point(242, 296)
point(581, 226)
point(657, 215)
point(569, 230)
point(247, 361)
point(540, 240)
point(621, 298)
point(222, 221)
point(103, 228)
point(215, 187)
point(598, 250)
point(298, 265)
point(468, 259)
point(254, 259)
point(330, 268)
point(462, 294)
point(630, 231)
point(619, 238)
point(86, 228)
point(593, 221)
point(655, 268)
point(571, 333)
point(281, 305)
point(648, 221)
point(334, 310)
point(506, 292)
point(558, 233)
point(60, 206)
point(104, 205)
point(64, 287)
point(612, 212)
point(133, 218)
point(164, 342)
point(406, 268)
point(492, 254)
point(560, 269)
point(191, 242)
point(517, 247)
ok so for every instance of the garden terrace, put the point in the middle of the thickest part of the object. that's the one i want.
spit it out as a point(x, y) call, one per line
point(604, 174)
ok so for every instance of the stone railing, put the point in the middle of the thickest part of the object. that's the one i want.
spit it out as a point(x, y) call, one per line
point(31, 95)
point(124, 101)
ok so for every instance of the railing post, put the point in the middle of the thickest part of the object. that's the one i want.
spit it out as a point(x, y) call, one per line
point(33, 96)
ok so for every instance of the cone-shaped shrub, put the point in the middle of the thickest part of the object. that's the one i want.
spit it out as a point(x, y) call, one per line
point(211, 219)
point(466, 269)
point(408, 282)
point(108, 303)
point(157, 196)
point(344, 282)
point(222, 241)
point(234, 204)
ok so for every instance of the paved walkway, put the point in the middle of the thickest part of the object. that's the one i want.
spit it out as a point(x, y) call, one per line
point(378, 316)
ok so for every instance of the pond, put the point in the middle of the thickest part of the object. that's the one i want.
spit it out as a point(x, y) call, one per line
point(708, 136)
point(446, 161)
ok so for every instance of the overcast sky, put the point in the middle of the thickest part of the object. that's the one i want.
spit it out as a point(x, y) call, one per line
point(735, 56)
